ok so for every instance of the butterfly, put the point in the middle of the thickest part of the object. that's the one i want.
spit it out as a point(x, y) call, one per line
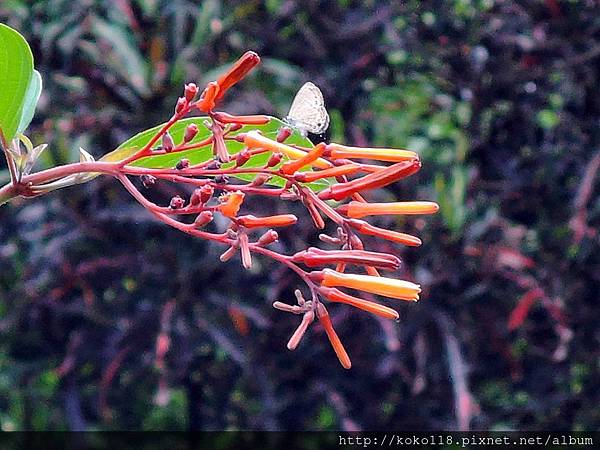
point(307, 113)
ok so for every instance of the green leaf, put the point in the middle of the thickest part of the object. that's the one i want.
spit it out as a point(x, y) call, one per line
point(16, 71)
point(200, 155)
point(31, 99)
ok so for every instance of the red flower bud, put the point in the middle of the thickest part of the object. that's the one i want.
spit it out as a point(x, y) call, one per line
point(167, 142)
point(283, 133)
point(183, 163)
point(190, 91)
point(235, 127)
point(268, 238)
point(195, 197)
point(239, 70)
point(260, 179)
point(190, 132)
point(206, 193)
point(148, 180)
point(214, 165)
point(176, 202)
point(181, 103)
point(203, 218)
point(274, 160)
point(242, 157)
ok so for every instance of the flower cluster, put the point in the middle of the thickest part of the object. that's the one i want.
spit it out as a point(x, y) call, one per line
point(222, 184)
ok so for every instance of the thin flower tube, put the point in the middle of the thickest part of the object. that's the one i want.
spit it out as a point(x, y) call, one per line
point(361, 209)
point(337, 151)
point(387, 287)
point(335, 295)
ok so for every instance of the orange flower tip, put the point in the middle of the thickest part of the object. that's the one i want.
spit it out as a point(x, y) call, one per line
point(356, 209)
point(337, 151)
point(388, 287)
point(293, 166)
point(282, 220)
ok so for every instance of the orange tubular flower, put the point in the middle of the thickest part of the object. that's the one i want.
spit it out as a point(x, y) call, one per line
point(282, 220)
point(337, 345)
point(208, 98)
point(374, 180)
point(335, 295)
point(309, 177)
point(232, 204)
point(388, 287)
point(246, 120)
point(359, 209)
point(253, 139)
point(240, 69)
point(371, 230)
point(314, 257)
point(337, 151)
point(294, 166)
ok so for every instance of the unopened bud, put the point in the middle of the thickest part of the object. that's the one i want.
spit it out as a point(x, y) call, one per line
point(167, 142)
point(214, 165)
point(203, 218)
point(228, 254)
point(182, 164)
point(235, 126)
point(242, 157)
point(283, 134)
point(148, 181)
point(206, 193)
point(190, 132)
point(268, 238)
point(274, 159)
point(190, 91)
point(176, 202)
point(260, 179)
point(195, 197)
point(181, 103)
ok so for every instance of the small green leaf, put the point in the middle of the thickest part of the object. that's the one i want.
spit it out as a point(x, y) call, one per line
point(31, 99)
point(16, 69)
point(200, 155)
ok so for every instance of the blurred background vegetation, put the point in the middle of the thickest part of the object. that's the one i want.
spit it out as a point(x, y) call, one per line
point(501, 100)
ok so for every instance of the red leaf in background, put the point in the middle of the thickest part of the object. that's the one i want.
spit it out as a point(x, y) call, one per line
point(239, 320)
point(519, 313)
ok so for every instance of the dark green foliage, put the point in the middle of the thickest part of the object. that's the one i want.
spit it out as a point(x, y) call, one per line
point(500, 99)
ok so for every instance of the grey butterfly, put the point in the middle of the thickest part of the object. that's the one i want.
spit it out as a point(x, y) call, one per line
point(308, 113)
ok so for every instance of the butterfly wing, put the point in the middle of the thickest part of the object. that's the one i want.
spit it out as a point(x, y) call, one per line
point(308, 112)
